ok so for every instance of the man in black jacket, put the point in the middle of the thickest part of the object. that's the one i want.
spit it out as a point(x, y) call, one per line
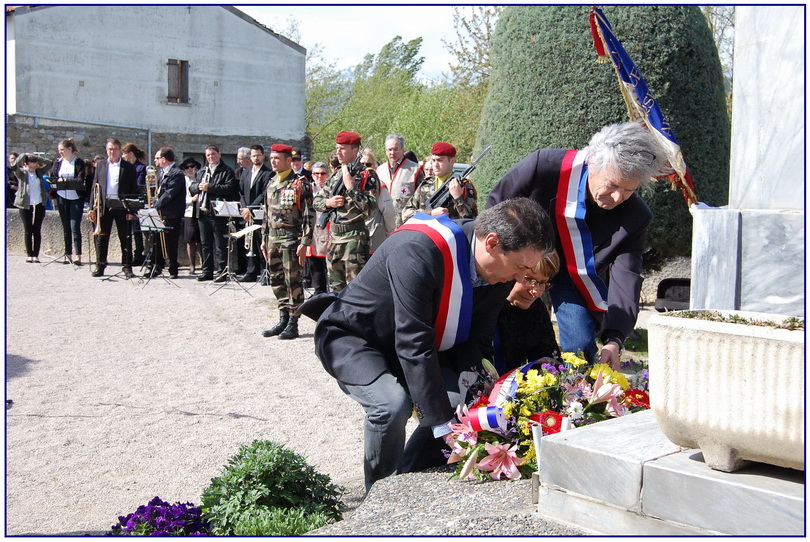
point(601, 230)
point(216, 181)
point(171, 204)
point(252, 186)
point(411, 330)
point(115, 179)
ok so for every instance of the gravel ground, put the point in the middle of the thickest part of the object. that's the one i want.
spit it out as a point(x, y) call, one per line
point(123, 390)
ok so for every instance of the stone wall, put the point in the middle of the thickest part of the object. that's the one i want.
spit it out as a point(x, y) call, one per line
point(24, 134)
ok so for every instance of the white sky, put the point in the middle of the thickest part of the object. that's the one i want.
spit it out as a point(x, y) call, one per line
point(348, 33)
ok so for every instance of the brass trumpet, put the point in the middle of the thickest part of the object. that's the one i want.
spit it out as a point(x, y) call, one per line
point(97, 209)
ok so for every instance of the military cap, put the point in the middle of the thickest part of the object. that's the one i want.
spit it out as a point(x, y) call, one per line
point(279, 147)
point(347, 138)
point(443, 149)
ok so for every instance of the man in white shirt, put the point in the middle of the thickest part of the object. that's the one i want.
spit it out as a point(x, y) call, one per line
point(115, 179)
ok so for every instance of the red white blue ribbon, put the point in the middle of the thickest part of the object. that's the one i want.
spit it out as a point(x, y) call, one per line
point(455, 306)
point(491, 417)
point(575, 237)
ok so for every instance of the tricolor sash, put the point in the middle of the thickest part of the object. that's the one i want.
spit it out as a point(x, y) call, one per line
point(569, 214)
point(455, 307)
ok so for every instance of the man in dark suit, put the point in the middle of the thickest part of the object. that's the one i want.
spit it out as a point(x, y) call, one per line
point(251, 188)
point(171, 204)
point(298, 165)
point(411, 330)
point(215, 181)
point(115, 179)
point(601, 230)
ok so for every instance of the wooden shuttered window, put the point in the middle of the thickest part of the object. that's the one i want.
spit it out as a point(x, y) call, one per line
point(178, 81)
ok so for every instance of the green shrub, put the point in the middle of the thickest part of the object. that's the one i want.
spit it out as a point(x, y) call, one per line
point(267, 489)
point(547, 91)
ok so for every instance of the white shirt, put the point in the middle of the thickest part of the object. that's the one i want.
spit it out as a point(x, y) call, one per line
point(34, 189)
point(67, 170)
point(253, 175)
point(113, 174)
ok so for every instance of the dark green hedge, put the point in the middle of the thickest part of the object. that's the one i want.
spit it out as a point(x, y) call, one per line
point(547, 90)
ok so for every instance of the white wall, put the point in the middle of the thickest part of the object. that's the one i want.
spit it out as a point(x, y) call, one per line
point(108, 64)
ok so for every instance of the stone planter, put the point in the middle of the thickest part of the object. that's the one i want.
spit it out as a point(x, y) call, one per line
point(735, 391)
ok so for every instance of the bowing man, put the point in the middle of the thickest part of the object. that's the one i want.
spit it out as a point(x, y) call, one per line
point(412, 329)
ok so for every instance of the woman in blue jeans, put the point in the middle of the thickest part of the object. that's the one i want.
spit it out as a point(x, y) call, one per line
point(70, 202)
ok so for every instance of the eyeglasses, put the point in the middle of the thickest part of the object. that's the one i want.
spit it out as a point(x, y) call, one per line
point(536, 287)
point(319, 173)
point(368, 164)
point(296, 158)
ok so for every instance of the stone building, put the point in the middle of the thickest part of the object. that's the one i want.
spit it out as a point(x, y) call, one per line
point(183, 76)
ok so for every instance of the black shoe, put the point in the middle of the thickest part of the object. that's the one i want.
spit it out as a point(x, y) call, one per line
point(283, 320)
point(98, 272)
point(291, 331)
point(247, 277)
point(128, 274)
point(222, 278)
point(202, 278)
point(173, 276)
point(153, 274)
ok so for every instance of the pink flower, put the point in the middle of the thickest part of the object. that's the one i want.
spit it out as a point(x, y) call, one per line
point(502, 460)
point(463, 431)
point(603, 391)
point(616, 409)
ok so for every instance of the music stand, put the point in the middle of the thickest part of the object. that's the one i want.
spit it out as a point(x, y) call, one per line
point(229, 209)
point(150, 222)
point(65, 184)
point(264, 276)
point(130, 205)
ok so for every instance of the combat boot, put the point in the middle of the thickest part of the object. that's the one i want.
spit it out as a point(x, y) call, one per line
point(283, 320)
point(291, 331)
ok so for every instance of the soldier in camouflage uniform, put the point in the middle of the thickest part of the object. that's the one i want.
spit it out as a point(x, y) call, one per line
point(286, 234)
point(348, 199)
point(463, 203)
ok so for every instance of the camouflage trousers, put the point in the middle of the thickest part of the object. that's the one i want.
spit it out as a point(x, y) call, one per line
point(285, 273)
point(345, 261)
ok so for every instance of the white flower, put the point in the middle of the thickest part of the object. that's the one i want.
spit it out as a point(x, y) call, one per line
point(575, 410)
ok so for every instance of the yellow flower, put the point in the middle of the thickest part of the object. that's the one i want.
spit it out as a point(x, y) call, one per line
point(609, 375)
point(525, 412)
point(507, 410)
point(620, 379)
point(523, 425)
point(604, 367)
point(550, 380)
point(573, 359)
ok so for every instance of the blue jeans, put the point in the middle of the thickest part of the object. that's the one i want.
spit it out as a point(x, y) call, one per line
point(71, 211)
point(388, 408)
point(578, 325)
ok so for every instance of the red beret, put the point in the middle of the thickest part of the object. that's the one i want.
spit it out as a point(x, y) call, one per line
point(347, 138)
point(443, 149)
point(279, 147)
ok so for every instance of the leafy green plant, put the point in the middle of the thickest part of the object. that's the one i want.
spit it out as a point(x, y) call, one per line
point(267, 489)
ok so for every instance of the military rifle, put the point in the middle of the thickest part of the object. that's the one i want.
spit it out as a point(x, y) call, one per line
point(340, 188)
point(441, 198)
